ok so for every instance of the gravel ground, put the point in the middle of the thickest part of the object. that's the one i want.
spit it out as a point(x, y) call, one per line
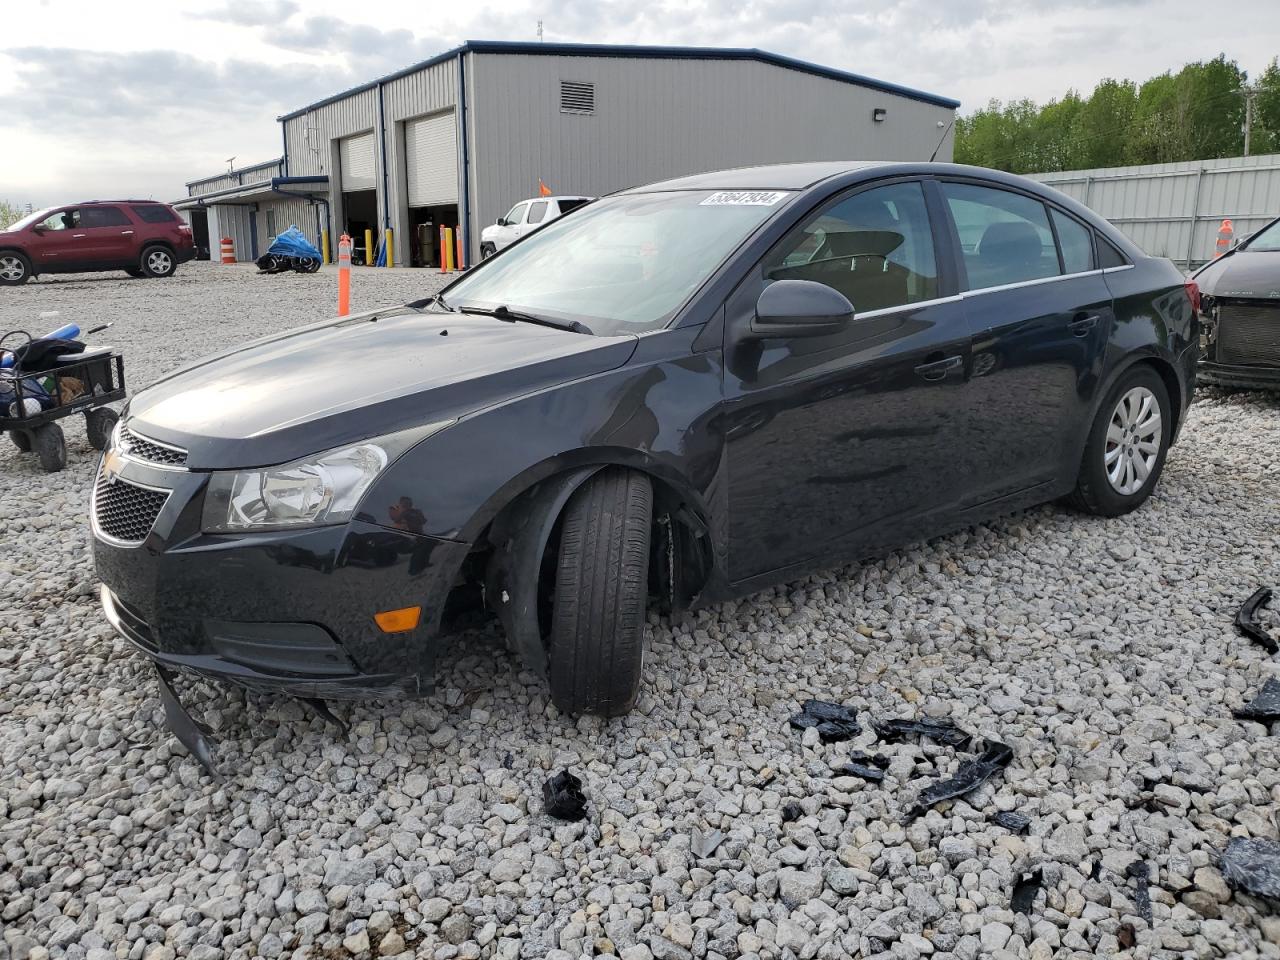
point(1100, 651)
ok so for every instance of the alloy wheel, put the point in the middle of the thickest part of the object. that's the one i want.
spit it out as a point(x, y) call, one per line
point(1133, 441)
point(12, 268)
point(159, 262)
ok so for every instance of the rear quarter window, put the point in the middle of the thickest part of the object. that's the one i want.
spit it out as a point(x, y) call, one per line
point(1108, 255)
point(567, 205)
point(153, 213)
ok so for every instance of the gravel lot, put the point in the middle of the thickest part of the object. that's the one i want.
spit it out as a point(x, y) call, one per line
point(1101, 651)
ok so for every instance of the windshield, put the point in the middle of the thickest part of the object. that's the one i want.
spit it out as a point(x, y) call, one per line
point(623, 264)
point(28, 220)
point(1266, 240)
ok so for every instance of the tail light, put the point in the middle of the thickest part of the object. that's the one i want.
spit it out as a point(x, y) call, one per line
point(184, 227)
point(1193, 294)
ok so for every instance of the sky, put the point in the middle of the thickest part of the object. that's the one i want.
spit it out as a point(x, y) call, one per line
point(131, 99)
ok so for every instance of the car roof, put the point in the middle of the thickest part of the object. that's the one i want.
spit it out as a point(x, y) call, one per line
point(774, 176)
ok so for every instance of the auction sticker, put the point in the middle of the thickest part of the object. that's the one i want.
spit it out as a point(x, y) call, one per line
point(743, 198)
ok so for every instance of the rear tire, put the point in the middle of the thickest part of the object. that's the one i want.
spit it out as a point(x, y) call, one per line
point(158, 262)
point(15, 269)
point(1119, 469)
point(21, 439)
point(98, 425)
point(50, 446)
point(602, 587)
point(135, 272)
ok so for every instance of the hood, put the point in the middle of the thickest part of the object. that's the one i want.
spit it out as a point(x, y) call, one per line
point(489, 231)
point(1242, 273)
point(345, 380)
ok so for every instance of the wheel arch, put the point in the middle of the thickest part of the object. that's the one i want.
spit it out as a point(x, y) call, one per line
point(514, 534)
point(31, 264)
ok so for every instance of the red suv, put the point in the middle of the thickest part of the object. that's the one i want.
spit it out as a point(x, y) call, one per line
point(141, 237)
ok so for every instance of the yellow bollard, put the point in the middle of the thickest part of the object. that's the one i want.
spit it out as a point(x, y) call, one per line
point(448, 249)
point(391, 250)
point(369, 253)
point(324, 245)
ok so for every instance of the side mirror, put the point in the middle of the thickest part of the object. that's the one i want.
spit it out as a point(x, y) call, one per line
point(39, 228)
point(502, 221)
point(799, 308)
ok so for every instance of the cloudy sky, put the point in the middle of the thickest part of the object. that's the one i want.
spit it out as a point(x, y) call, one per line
point(132, 98)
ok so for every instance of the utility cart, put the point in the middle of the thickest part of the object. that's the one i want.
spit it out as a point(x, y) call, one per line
point(32, 401)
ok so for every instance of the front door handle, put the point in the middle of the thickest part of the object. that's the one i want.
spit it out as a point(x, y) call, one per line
point(77, 236)
point(126, 233)
point(938, 369)
point(1082, 324)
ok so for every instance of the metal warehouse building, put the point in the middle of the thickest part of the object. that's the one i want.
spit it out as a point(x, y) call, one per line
point(459, 138)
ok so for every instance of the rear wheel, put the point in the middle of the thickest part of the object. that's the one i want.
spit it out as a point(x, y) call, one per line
point(602, 586)
point(135, 272)
point(98, 424)
point(1126, 449)
point(50, 446)
point(158, 262)
point(14, 268)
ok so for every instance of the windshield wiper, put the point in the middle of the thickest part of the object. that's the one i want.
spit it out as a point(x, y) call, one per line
point(503, 312)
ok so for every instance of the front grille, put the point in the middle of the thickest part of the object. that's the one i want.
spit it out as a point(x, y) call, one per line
point(1249, 334)
point(124, 511)
point(140, 448)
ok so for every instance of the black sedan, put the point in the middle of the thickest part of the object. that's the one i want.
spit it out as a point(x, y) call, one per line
point(1241, 310)
point(676, 394)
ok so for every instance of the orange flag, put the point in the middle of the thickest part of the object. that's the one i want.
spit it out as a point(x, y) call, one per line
point(543, 189)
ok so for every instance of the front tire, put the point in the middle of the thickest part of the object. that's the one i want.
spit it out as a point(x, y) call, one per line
point(158, 262)
point(15, 269)
point(1125, 453)
point(602, 587)
point(98, 425)
point(50, 447)
point(487, 250)
point(21, 439)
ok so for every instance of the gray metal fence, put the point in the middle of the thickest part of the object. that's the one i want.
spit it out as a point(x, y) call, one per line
point(1174, 210)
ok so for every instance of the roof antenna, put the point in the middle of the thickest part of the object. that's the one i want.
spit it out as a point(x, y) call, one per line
point(934, 155)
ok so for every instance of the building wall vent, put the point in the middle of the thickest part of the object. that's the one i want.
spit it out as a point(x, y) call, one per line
point(577, 97)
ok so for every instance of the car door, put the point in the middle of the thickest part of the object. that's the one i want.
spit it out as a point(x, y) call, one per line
point(110, 236)
point(508, 230)
point(1041, 315)
point(57, 242)
point(843, 443)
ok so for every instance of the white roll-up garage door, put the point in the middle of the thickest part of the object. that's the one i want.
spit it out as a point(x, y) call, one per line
point(356, 155)
point(431, 160)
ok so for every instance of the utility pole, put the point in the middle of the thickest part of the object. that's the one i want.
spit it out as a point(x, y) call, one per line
point(1249, 94)
point(539, 31)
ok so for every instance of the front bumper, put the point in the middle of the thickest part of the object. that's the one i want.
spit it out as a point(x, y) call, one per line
point(285, 611)
point(1239, 376)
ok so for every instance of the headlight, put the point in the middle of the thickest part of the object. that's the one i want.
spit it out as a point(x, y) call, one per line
point(321, 489)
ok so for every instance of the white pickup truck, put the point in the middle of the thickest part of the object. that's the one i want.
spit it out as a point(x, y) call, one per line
point(525, 217)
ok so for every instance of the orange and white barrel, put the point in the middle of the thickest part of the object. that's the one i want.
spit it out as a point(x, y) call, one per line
point(228, 250)
point(1225, 233)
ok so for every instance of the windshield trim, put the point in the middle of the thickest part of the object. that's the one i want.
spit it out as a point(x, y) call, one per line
point(1274, 225)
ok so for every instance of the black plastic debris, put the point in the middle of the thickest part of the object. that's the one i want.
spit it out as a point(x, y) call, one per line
point(1024, 892)
point(941, 731)
point(1247, 620)
point(868, 766)
point(703, 844)
point(1253, 865)
point(1265, 707)
point(562, 797)
point(190, 732)
point(792, 812)
point(833, 721)
point(971, 775)
point(508, 761)
point(1011, 821)
point(1141, 874)
point(766, 777)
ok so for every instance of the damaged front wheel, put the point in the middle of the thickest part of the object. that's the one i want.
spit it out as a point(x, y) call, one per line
point(602, 587)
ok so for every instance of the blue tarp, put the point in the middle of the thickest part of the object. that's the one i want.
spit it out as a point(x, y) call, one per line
point(292, 243)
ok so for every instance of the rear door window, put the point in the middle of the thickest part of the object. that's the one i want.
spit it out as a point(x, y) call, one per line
point(537, 211)
point(1075, 242)
point(103, 217)
point(153, 213)
point(1004, 236)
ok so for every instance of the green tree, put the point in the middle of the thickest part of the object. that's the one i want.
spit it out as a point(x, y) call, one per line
point(1265, 137)
point(9, 212)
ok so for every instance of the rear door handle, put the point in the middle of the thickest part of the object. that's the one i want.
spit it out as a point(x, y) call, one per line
point(938, 369)
point(1081, 325)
